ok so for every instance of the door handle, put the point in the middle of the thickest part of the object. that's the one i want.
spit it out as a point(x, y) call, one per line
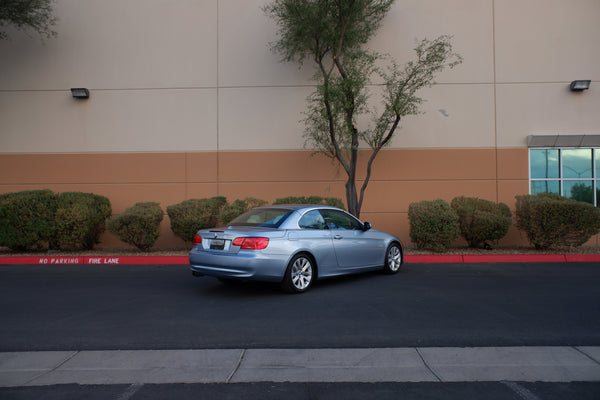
point(338, 237)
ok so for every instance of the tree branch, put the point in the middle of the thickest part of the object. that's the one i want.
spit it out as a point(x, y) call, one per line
point(330, 119)
point(372, 158)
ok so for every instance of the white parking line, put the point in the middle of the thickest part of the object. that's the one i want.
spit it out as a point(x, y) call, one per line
point(130, 391)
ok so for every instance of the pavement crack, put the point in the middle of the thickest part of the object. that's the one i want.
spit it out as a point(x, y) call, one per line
point(60, 364)
point(237, 367)
point(439, 378)
point(585, 354)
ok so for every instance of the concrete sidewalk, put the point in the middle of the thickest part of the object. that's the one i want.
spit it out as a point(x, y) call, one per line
point(548, 364)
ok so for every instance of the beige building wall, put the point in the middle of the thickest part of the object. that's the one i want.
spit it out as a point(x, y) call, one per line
point(188, 101)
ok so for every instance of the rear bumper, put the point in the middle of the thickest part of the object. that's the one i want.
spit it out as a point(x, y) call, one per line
point(244, 265)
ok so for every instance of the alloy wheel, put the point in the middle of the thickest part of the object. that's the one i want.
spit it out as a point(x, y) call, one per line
point(302, 273)
point(394, 258)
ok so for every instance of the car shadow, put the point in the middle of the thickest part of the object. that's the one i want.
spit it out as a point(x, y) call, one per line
point(350, 279)
point(238, 288)
point(248, 288)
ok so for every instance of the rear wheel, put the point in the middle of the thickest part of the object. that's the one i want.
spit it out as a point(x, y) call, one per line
point(299, 274)
point(393, 258)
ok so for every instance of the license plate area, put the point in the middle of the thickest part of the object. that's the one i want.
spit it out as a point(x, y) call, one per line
point(217, 244)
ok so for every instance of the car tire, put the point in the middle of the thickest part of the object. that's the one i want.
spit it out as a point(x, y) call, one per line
point(299, 274)
point(393, 258)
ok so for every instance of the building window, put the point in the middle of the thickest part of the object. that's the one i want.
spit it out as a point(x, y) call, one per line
point(570, 172)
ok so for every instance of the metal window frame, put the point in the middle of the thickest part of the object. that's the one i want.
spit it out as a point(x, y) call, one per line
point(595, 179)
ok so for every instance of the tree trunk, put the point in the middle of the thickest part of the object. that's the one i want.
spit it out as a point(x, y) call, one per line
point(351, 193)
point(352, 197)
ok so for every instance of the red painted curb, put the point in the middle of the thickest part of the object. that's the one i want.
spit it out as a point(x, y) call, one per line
point(137, 260)
point(41, 260)
point(433, 258)
point(415, 259)
point(495, 258)
point(582, 257)
point(102, 260)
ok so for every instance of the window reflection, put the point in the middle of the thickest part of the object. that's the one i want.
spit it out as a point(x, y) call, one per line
point(312, 220)
point(545, 187)
point(577, 163)
point(579, 190)
point(340, 220)
point(544, 163)
point(597, 175)
point(597, 151)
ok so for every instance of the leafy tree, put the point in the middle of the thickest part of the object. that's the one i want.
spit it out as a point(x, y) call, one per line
point(27, 14)
point(332, 36)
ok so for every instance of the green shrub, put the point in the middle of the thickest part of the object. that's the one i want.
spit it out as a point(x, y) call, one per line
point(481, 220)
point(550, 220)
point(189, 216)
point(328, 201)
point(238, 207)
point(138, 226)
point(26, 218)
point(80, 219)
point(433, 225)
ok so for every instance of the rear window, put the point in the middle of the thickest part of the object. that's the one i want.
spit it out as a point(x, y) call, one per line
point(262, 217)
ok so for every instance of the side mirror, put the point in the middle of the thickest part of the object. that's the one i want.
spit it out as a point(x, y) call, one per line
point(366, 226)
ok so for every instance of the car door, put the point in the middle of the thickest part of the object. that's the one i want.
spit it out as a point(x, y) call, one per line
point(314, 237)
point(354, 247)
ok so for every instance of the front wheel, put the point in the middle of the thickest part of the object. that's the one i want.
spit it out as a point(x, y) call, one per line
point(393, 258)
point(298, 275)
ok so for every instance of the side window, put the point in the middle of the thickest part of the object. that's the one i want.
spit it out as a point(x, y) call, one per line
point(339, 220)
point(312, 220)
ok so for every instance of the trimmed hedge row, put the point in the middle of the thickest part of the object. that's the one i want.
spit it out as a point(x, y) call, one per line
point(189, 216)
point(481, 220)
point(550, 220)
point(238, 207)
point(433, 225)
point(27, 218)
point(76, 220)
point(39, 217)
point(80, 219)
point(327, 201)
point(138, 225)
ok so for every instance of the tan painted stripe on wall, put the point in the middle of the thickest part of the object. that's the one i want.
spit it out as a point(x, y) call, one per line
point(400, 177)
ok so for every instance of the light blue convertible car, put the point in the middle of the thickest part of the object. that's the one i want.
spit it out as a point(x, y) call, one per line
point(293, 245)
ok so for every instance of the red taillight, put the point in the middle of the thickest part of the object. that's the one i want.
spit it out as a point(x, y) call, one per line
point(197, 240)
point(251, 243)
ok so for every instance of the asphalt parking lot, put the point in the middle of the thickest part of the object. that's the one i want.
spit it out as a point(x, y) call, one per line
point(426, 308)
point(106, 307)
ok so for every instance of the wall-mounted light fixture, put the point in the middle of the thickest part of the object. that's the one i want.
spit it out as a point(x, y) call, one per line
point(578, 86)
point(80, 93)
